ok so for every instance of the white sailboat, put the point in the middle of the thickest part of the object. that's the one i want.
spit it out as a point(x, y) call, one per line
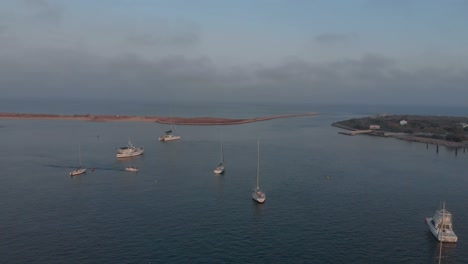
point(168, 136)
point(220, 168)
point(257, 194)
point(79, 170)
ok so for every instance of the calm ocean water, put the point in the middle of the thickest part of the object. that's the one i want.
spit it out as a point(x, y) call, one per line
point(330, 198)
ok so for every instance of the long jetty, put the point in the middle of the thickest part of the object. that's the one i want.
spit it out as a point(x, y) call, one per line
point(355, 132)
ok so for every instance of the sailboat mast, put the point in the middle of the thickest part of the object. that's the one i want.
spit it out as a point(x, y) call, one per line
point(222, 153)
point(258, 161)
point(79, 154)
point(172, 123)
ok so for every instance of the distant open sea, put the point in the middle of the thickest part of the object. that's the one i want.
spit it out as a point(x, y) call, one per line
point(330, 198)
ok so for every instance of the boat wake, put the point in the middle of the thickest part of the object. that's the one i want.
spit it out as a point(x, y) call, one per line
point(91, 168)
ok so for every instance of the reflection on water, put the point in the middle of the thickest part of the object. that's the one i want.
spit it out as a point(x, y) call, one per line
point(219, 182)
point(259, 210)
point(444, 252)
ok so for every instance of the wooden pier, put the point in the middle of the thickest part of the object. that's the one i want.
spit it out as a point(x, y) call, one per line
point(355, 132)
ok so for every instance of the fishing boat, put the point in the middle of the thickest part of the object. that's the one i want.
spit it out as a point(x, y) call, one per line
point(257, 194)
point(129, 151)
point(440, 225)
point(220, 168)
point(132, 168)
point(80, 169)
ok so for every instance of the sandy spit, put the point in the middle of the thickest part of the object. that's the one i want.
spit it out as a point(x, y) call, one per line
point(157, 119)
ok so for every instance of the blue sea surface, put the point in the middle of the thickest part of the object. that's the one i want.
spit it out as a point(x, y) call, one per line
point(330, 198)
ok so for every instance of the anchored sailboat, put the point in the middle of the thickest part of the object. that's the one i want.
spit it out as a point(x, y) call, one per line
point(257, 194)
point(168, 136)
point(80, 169)
point(220, 168)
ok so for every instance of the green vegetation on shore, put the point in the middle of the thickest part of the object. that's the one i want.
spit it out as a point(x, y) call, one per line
point(436, 127)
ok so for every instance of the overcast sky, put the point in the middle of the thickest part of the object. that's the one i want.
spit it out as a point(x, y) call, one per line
point(360, 51)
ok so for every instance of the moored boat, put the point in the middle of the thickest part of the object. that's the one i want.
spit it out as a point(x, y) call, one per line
point(220, 168)
point(132, 168)
point(440, 225)
point(257, 194)
point(129, 151)
point(78, 171)
point(168, 136)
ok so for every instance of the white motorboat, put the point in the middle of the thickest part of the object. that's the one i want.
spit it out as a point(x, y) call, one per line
point(257, 193)
point(220, 168)
point(129, 151)
point(132, 168)
point(441, 225)
point(79, 170)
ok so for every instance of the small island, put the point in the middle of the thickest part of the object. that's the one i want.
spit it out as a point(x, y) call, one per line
point(440, 130)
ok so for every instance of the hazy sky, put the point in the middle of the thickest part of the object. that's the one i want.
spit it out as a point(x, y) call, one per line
point(359, 51)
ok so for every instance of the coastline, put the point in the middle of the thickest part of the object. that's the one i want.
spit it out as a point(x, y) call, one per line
point(432, 141)
point(155, 119)
point(408, 137)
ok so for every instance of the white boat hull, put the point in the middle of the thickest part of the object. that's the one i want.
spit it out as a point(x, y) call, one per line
point(169, 138)
point(219, 170)
point(77, 172)
point(260, 198)
point(441, 236)
point(131, 169)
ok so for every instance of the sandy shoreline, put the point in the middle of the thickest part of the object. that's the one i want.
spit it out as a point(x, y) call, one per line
point(156, 119)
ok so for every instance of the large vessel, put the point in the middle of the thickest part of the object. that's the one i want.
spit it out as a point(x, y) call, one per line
point(257, 194)
point(441, 225)
point(129, 151)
